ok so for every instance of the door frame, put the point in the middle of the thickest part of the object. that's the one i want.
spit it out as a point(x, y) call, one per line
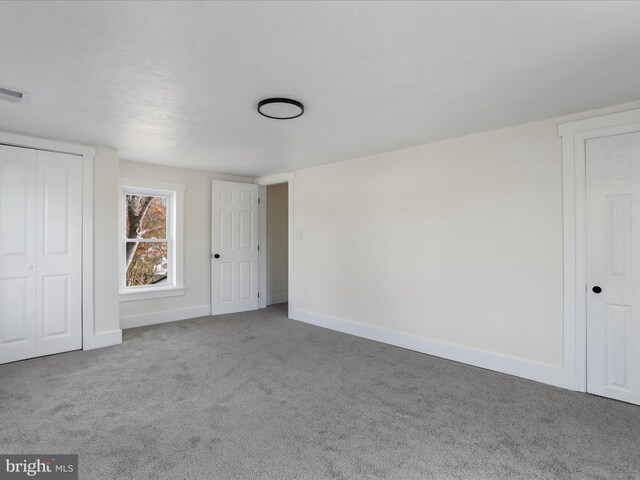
point(88, 155)
point(574, 137)
point(287, 178)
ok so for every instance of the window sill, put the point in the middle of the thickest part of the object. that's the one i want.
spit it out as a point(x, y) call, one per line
point(149, 293)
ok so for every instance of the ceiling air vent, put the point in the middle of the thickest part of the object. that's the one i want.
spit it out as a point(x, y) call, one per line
point(12, 96)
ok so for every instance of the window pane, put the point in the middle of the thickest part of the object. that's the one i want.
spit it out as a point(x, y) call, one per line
point(146, 216)
point(148, 264)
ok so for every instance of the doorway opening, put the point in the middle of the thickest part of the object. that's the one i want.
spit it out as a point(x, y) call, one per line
point(277, 243)
point(276, 240)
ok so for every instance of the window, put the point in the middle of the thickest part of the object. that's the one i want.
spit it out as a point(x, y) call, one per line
point(151, 254)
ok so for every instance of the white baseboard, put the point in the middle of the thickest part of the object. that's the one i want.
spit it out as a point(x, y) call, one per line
point(277, 298)
point(141, 320)
point(106, 339)
point(538, 372)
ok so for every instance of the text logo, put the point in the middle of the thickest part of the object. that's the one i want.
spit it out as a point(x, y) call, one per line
point(49, 467)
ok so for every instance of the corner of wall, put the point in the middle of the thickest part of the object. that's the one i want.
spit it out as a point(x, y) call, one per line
point(106, 317)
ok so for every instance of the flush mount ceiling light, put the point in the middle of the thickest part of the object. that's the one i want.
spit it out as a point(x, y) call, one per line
point(280, 108)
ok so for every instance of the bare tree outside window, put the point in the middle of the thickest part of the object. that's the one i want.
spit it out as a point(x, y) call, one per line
point(147, 245)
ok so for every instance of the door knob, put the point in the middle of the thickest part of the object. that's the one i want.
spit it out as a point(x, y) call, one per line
point(596, 289)
point(216, 255)
point(29, 267)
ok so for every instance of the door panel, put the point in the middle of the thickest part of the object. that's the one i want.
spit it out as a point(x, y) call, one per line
point(618, 241)
point(613, 264)
point(226, 230)
point(246, 280)
point(17, 169)
point(617, 334)
point(14, 305)
point(55, 298)
point(56, 192)
point(225, 277)
point(235, 240)
point(247, 235)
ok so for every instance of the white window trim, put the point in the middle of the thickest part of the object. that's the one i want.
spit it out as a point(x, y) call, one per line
point(176, 226)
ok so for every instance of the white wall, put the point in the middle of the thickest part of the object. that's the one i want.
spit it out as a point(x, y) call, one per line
point(105, 207)
point(456, 245)
point(457, 242)
point(277, 243)
point(197, 246)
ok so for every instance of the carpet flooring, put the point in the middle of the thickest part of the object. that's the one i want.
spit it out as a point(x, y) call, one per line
point(259, 396)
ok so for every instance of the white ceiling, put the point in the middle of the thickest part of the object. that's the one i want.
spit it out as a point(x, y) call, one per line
point(177, 83)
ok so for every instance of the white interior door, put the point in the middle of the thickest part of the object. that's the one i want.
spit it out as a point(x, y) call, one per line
point(17, 253)
point(234, 253)
point(613, 267)
point(40, 253)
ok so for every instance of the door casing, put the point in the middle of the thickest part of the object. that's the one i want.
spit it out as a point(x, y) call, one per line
point(574, 136)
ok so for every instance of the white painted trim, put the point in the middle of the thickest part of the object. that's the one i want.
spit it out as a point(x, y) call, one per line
point(107, 339)
point(263, 242)
point(150, 293)
point(17, 140)
point(141, 320)
point(274, 179)
point(596, 123)
point(538, 372)
point(88, 154)
point(574, 137)
point(225, 177)
point(291, 279)
point(88, 326)
point(277, 298)
point(287, 178)
point(145, 184)
point(211, 254)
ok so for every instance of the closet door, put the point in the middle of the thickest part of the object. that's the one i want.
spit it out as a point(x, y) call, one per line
point(17, 253)
point(40, 253)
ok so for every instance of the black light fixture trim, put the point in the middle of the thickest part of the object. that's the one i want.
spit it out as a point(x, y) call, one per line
point(289, 101)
